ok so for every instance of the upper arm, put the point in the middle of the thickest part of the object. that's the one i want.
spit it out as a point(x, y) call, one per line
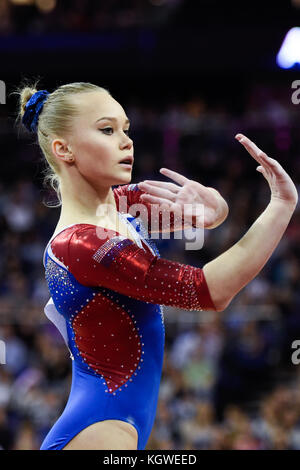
point(119, 264)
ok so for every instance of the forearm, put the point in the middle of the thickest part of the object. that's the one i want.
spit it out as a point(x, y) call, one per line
point(231, 271)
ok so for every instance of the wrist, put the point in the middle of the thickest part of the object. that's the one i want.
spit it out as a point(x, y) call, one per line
point(285, 204)
point(221, 214)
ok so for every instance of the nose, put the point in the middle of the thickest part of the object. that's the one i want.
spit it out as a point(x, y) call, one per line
point(127, 142)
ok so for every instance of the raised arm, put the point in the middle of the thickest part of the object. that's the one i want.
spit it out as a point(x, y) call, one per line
point(231, 271)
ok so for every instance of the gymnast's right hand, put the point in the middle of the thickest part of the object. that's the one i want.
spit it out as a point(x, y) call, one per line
point(281, 185)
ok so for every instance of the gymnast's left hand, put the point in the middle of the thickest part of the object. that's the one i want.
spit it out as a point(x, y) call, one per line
point(184, 197)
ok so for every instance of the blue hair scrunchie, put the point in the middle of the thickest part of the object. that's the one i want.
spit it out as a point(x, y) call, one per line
point(33, 109)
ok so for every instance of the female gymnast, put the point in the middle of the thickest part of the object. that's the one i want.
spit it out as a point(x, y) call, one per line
point(106, 278)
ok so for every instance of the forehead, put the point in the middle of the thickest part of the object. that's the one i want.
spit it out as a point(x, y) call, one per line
point(95, 105)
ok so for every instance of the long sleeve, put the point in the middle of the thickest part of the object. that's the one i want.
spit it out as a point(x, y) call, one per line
point(127, 199)
point(117, 263)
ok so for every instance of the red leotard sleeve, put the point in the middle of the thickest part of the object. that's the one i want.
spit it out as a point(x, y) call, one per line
point(131, 194)
point(120, 264)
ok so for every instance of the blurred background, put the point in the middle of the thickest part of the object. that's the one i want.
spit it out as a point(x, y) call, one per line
point(190, 75)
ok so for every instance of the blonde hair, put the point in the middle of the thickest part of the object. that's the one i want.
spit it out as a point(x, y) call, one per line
point(55, 119)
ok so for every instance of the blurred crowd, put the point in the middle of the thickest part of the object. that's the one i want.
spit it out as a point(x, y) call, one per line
point(48, 16)
point(228, 378)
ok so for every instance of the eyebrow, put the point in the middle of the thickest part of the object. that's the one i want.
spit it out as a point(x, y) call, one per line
point(113, 119)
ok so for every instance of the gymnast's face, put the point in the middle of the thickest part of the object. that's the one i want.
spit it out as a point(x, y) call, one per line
point(100, 140)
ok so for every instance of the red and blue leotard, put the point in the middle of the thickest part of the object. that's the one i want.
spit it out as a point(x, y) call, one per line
point(106, 300)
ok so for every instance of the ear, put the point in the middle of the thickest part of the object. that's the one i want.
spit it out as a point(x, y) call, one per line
point(62, 150)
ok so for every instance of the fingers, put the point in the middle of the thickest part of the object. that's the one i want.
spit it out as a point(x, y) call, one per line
point(174, 176)
point(156, 200)
point(262, 170)
point(275, 166)
point(162, 184)
point(250, 146)
point(269, 163)
point(157, 191)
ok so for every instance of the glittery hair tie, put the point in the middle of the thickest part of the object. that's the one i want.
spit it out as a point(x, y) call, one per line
point(33, 109)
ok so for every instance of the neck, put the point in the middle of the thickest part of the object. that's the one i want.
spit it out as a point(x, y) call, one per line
point(85, 204)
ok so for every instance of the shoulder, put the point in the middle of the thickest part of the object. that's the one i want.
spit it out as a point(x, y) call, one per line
point(79, 237)
point(126, 195)
point(79, 247)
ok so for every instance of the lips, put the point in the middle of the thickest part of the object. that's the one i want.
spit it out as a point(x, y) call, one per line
point(127, 160)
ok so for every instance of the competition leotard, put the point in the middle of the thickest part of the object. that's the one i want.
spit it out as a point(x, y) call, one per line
point(106, 300)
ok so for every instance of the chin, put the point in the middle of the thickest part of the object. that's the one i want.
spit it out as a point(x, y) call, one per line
point(125, 179)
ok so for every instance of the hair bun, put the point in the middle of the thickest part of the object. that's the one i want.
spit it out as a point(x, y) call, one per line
point(33, 109)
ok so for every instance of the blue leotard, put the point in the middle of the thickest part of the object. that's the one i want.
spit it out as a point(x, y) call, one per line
point(106, 300)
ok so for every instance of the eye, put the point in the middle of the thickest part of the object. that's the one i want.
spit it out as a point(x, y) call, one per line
point(106, 129)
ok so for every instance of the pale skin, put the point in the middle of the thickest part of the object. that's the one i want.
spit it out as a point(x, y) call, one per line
point(89, 161)
point(184, 197)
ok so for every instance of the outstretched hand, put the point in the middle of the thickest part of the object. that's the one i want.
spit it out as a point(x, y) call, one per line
point(184, 197)
point(281, 185)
